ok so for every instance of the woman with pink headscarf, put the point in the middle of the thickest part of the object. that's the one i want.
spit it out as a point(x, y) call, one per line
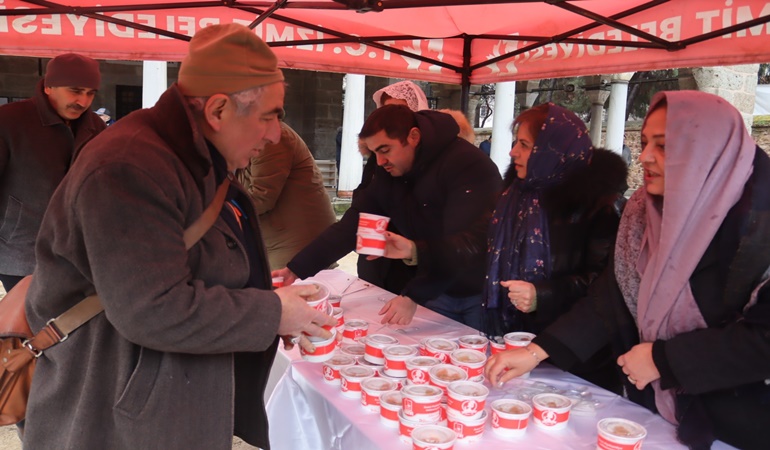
point(685, 303)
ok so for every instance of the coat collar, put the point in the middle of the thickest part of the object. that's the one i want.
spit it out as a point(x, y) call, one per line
point(184, 137)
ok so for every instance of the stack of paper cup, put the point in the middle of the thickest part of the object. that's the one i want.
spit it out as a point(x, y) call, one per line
point(467, 430)
point(466, 399)
point(375, 343)
point(370, 238)
point(440, 348)
point(390, 405)
point(331, 368)
point(372, 389)
point(354, 330)
point(395, 359)
point(351, 378)
point(324, 348)
point(417, 369)
point(471, 361)
point(422, 403)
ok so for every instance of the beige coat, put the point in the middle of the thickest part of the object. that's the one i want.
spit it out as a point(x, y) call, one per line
point(289, 195)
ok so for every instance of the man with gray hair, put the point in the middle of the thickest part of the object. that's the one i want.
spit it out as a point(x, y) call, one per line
point(181, 356)
point(39, 139)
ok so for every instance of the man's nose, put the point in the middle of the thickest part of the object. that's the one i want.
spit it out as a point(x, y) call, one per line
point(273, 134)
point(381, 160)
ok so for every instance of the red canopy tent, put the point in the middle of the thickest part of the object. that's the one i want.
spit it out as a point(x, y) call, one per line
point(447, 41)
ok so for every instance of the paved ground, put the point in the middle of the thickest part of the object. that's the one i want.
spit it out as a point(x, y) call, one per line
point(10, 441)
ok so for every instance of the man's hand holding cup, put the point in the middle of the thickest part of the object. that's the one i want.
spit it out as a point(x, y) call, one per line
point(298, 320)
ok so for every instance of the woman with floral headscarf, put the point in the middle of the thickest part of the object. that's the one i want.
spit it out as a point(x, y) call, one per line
point(685, 303)
point(554, 224)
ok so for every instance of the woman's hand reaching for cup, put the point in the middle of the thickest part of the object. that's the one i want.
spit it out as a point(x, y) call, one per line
point(522, 295)
point(510, 364)
point(397, 247)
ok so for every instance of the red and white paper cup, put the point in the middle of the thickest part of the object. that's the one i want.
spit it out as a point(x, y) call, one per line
point(278, 282)
point(619, 434)
point(395, 359)
point(351, 378)
point(433, 437)
point(517, 339)
point(319, 300)
point(375, 343)
point(355, 350)
point(418, 367)
point(354, 330)
point(466, 399)
point(372, 389)
point(467, 429)
point(440, 348)
point(370, 237)
point(473, 342)
point(510, 417)
point(550, 412)
point(496, 347)
point(390, 405)
point(400, 381)
point(444, 374)
point(406, 425)
point(324, 348)
point(471, 361)
point(331, 368)
point(339, 314)
point(422, 403)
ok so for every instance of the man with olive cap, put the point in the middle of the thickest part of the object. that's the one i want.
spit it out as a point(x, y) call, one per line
point(39, 138)
point(180, 357)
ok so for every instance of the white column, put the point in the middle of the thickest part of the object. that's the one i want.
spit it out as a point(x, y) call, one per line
point(154, 82)
point(505, 100)
point(616, 112)
point(351, 164)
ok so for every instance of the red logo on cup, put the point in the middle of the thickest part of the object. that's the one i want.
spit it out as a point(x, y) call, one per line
point(380, 226)
point(418, 376)
point(328, 373)
point(458, 427)
point(408, 407)
point(495, 420)
point(344, 384)
point(470, 407)
point(549, 418)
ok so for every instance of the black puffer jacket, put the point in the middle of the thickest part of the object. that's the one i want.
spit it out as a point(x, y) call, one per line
point(583, 216)
point(443, 204)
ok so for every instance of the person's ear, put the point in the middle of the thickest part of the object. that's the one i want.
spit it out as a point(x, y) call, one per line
point(215, 110)
point(414, 136)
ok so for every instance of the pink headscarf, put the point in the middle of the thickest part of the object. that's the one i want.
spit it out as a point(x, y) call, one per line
point(404, 90)
point(709, 155)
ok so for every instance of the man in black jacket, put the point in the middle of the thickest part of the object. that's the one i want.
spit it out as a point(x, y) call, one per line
point(439, 191)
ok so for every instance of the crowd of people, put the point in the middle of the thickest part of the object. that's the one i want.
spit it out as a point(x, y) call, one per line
point(662, 298)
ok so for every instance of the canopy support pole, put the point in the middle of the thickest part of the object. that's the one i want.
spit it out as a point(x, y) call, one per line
point(465, 86)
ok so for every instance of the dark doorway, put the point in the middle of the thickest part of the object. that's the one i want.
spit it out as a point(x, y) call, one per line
point(127, 99)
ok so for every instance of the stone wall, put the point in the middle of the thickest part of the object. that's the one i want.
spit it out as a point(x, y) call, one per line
point(760, 132)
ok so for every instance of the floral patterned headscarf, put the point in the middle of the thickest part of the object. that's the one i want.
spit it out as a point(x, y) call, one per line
point(519, 243)
point(404, 90)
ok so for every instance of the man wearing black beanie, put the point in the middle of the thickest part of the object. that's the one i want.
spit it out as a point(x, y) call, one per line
point(39, 138)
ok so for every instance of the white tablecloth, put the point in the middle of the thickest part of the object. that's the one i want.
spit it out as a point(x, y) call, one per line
point(307, 413)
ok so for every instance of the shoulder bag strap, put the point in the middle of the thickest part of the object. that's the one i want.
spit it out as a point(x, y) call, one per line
point(57, 330)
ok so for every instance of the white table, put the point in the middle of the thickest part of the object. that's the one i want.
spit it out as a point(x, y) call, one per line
point(307, 413)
